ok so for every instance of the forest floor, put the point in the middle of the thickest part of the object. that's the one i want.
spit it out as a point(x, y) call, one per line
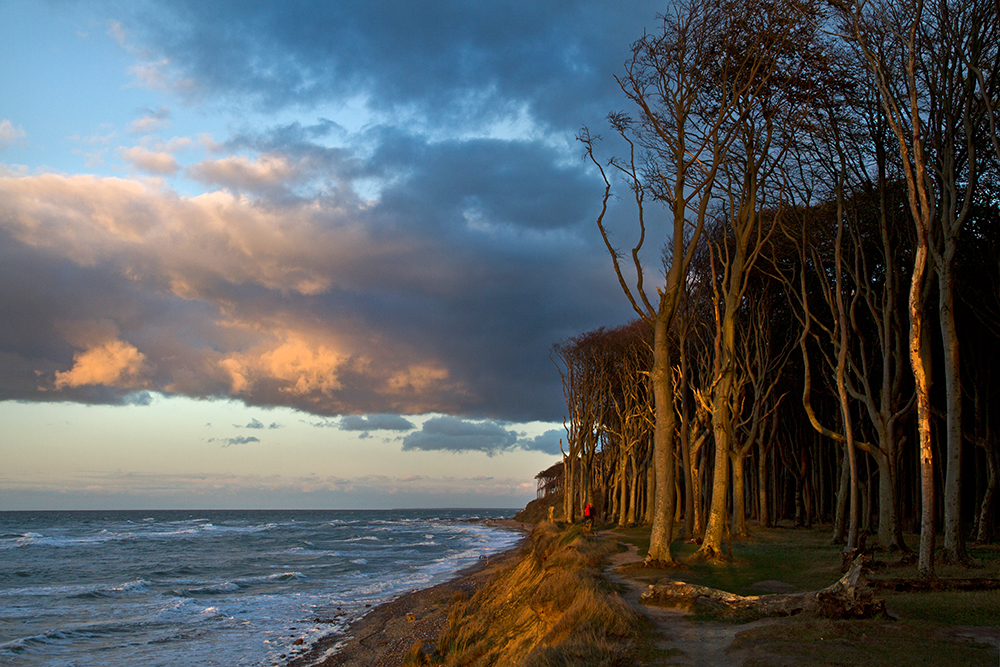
point(927, 627)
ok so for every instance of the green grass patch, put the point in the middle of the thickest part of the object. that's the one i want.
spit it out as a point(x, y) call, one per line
point(809, 643)
point(804, 558)
point(951, 607)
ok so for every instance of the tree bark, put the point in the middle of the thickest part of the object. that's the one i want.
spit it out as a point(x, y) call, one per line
point(849, 597)
point(954, 538)
point(661, 532)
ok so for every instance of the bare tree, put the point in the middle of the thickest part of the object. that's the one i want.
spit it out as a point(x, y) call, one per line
point(887, 36)
point(678, 141)
point(927, 68)
point(780, 40)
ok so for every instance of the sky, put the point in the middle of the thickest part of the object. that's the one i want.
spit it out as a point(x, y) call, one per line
point(300, 254)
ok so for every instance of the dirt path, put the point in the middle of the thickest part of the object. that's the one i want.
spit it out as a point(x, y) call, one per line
point(683, 642)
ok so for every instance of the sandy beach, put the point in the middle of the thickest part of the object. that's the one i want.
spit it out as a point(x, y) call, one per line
point(383, 636)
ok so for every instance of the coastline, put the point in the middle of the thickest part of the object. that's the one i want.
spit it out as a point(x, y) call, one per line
point(383, 636)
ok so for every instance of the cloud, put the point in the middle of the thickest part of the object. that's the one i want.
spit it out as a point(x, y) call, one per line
point(116, 32)
point(254, 423)
point(301, 367)
point(9, 134)
point(439, 297)
point(458, 435)
point(421, 258)
point(375, 423)
point(151, 162)
point(457, 62)
point(241, 173)
point(547, 442)
point(130, 489)
point(112, 364)
point(153, 121)
point(239, 440)
point(454, 434)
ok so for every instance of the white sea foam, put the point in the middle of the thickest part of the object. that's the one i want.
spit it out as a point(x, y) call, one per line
point(210, 588)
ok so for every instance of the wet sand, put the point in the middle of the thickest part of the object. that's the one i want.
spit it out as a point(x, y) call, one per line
point(383, 636)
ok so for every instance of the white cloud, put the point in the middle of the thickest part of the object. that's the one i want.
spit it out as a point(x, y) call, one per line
point(156, 75)
point(116, 32)
point(151, 122)
point(151, 162)
point(9, 134)
point(241, 173)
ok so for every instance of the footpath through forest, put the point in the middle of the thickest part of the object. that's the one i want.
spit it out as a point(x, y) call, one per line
point(683, 641)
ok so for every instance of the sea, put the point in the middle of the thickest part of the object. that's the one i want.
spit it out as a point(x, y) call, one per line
point(145, 588)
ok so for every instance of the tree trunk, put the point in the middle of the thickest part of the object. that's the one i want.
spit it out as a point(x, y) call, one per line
point(686, 463)
point(634, 491)
point(987, 513)
point(569, 493)
point(840, 517)
point(650, 491)
point(954, 539)
point(920, 361)
point(890, 530)
point(622, 487)
point(722, 392)
point(763, 511)
point(661, 532)
point(711, 547)
point(739, 497)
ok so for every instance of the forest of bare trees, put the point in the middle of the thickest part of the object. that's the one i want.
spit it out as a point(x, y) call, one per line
point(818, 328)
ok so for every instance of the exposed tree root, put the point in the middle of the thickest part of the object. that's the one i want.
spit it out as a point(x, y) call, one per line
point(849, 597)
point(661, 564)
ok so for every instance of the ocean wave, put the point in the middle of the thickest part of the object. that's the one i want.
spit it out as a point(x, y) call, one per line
point(34, 643)
point(139, 586)
point(38, 540)
point(213, 589)
point(199, 589)
point(82, 591)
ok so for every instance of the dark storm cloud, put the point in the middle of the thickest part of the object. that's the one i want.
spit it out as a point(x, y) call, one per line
point(452, 60)
point(375, 423)
point(424, 264)
point(444, 295)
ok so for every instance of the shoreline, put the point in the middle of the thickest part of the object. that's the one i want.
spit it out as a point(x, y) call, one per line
point(383, 636)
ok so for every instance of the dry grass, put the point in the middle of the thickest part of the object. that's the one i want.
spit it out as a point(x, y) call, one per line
point(549, 608)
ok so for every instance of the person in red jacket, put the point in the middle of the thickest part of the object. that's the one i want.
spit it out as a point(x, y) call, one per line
point(588, 515)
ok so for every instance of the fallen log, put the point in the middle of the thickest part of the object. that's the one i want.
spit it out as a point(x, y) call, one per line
point(849, 597)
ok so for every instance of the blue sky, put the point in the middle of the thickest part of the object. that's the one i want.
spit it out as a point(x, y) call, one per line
point(304, 254)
